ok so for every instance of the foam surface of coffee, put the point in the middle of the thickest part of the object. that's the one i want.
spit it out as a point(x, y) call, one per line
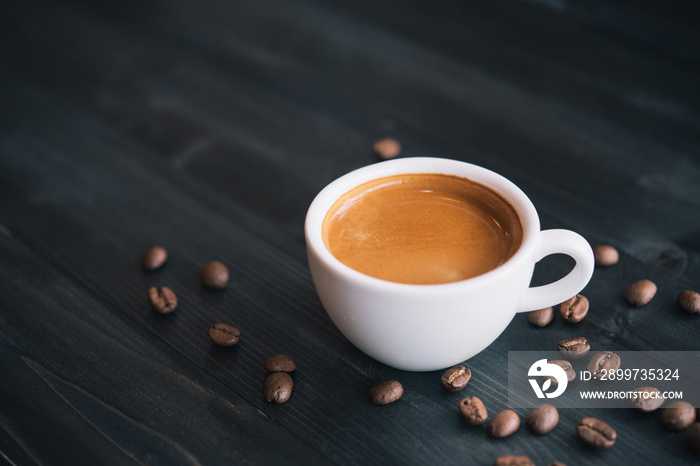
point(422, 229)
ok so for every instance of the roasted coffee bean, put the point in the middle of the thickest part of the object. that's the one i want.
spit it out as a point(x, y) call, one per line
point(641, 292)
point(456, 378)
point(386, 392)
point(557, 463)
point(678, 416)
point(214, 275)
point(278, 387)
point(595, 433)
point(387, 148)
point(646, 399)
point(605, 255)
point(473, 411)
point(224, 335)
point(513, 460)
point(541, 318)
point(503, 424)
point(542, 419)
point(573, 348)
point(692, 438)
point(162, 300)
point(280, 363)
point(566, 365)
point(690, 301)
point(602, 363)
point(154, 258)
point(574, 309)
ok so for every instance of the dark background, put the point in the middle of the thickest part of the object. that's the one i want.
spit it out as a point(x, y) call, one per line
point(208, 127)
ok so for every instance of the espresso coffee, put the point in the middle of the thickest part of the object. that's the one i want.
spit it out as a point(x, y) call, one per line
point(422, 229)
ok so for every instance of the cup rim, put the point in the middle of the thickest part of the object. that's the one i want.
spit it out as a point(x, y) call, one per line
point(324, 200)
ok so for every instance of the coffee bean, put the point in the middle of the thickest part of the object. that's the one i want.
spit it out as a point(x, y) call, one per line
point(503, 424)
point(473, 411)
point(162, 300)
point(154, 258)
point(605, 255)
point(573, 348)
point(595, 433)
point(387, 148)
point(692, 438)
point(456, 378)
point(542, 419)
point(541, 318)
point(647, 399)
point(678, 416)
point(602, 363)
point(513, 460)
point(278, 387)
point(214, 275)
point(690, 301)
point(566, 365)
point(280, 363)
point(224, 335)
point(386, 392)
point(574, 309)
point(640, 293)
point(557, 463)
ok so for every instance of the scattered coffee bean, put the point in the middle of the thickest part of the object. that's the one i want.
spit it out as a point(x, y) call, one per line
point(278, 387)
point(513, 460)
point(503, 424)
point(224, 335)
point(557, 463)
point(692, 438)
point(573, 348)
point(386, 392)
point(595, 433)
point(541, 318)
point(602, 363)
point(154, 258)
point(387, 148)
point(605, 255)
point(280, 363)
point(678, 416)
point(647, 399)
point(473, 411)
point(162, 300)
point(566, 365)
point(215, 275)
point(542, 419)
point(640, 293)
point(690, 301)
point(574, 309)
point(456, 378)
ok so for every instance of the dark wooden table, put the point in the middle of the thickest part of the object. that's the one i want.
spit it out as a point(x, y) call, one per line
point(208, 127)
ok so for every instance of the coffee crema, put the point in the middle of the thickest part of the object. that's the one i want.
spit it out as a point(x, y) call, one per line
point(422, 229)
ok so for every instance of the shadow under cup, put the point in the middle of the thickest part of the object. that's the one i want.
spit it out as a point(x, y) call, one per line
point(423, 327)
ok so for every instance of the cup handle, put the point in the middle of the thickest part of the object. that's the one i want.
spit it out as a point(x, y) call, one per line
point(560, 242)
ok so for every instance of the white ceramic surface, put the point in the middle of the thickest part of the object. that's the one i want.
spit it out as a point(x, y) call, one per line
point(431, 327)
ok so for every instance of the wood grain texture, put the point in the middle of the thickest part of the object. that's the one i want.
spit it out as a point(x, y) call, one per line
point(208, 128)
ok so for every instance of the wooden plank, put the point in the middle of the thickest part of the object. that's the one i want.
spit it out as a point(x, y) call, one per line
point(90, 205)
point(119, 119)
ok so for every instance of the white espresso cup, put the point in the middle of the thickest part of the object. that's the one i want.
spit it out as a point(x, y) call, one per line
point(431, 327)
